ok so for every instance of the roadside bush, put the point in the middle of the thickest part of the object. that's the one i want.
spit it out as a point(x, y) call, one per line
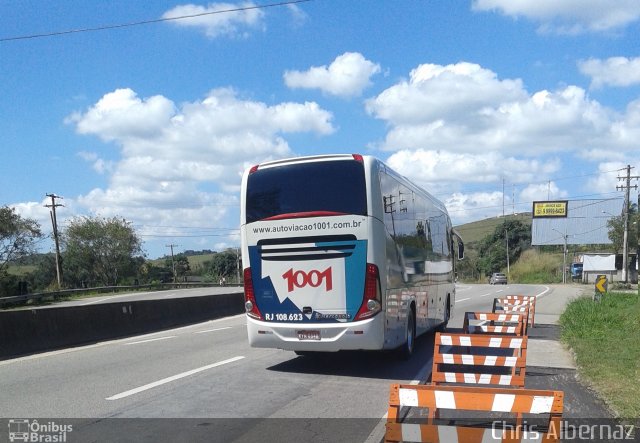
point(535, 267)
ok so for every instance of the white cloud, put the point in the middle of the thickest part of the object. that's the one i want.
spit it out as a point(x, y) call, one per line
point(465, 108)
point(101, 166)
point(568, 16)
point(218, 19)
point(625, 132)
point(606, 180)
point(541, 191)
point(464, 208)
point(348, 75)
point(452, 126)
point(451, 174)
point(121, 115)
point(36, 211)
point(185, 162)
point(435, 93)
point(597, 155)
point(428, 167)
point(39, 212)
point(614, 71)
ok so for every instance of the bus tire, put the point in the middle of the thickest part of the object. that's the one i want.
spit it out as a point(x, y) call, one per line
point(406, 350)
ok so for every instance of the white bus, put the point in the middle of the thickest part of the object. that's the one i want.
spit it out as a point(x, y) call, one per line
point(341, 253)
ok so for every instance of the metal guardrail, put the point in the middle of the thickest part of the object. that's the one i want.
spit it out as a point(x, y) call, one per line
point(54, 295)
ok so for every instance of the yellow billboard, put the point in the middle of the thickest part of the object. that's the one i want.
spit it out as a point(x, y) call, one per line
point(550, 209)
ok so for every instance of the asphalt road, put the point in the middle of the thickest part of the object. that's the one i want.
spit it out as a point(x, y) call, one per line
point(203, 382)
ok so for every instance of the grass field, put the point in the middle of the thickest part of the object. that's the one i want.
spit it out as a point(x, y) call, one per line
point(194, 260)
point(605, 337)
point(473, 232)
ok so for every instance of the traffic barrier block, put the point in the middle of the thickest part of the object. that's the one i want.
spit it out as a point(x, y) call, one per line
point(479, 359)
point(501, 307)
point(492, 401)
point(494, 323)
point(518, 301)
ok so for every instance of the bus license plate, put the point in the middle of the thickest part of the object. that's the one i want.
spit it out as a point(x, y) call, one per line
point(308, 335)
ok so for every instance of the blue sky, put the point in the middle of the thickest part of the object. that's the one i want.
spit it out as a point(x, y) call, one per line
point(155, 123)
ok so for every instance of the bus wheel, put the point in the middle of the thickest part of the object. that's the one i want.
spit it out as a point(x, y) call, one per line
point(407, 349)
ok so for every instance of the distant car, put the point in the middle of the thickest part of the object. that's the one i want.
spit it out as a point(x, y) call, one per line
point(498, 278)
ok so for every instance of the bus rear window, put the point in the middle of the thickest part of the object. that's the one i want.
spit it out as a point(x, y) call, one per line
point(335, 186)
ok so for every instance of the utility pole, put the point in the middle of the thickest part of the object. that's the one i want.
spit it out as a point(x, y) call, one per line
point(54, 223)
point(564, 253)
point(626, 187)
point(173, 263)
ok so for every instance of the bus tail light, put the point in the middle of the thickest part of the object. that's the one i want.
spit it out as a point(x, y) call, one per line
point(250, 304)
point(371, 304)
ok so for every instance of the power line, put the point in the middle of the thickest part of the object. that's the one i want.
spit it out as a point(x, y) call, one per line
point(148, 22)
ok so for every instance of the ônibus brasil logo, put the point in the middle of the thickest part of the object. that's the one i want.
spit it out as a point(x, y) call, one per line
point(314, 278)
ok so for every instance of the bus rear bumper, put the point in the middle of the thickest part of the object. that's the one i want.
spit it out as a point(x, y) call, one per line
point(362, 335)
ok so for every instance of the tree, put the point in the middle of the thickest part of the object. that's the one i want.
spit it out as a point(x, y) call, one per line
point(18, 236)
point(100, 251)
point(616, 229)
point(223, 264)
point(493, 248)
point(181, 264)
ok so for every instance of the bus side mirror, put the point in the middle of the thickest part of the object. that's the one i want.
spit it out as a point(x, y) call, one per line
point(460, 250)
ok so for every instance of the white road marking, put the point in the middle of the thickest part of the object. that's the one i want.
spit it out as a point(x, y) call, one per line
point(484, 295)
point(546, 289)
point(150, 340)
point(463, 299)
point(172, 378)
point(462, 287)
point(500, 290)
point(212, 330)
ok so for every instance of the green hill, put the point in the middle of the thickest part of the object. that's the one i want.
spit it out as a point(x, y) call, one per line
point(473, 232)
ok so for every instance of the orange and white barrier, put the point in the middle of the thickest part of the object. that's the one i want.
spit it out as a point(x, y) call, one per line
point(517, 303)
point(484, 352)
point(493, 323)
point(492, 400)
